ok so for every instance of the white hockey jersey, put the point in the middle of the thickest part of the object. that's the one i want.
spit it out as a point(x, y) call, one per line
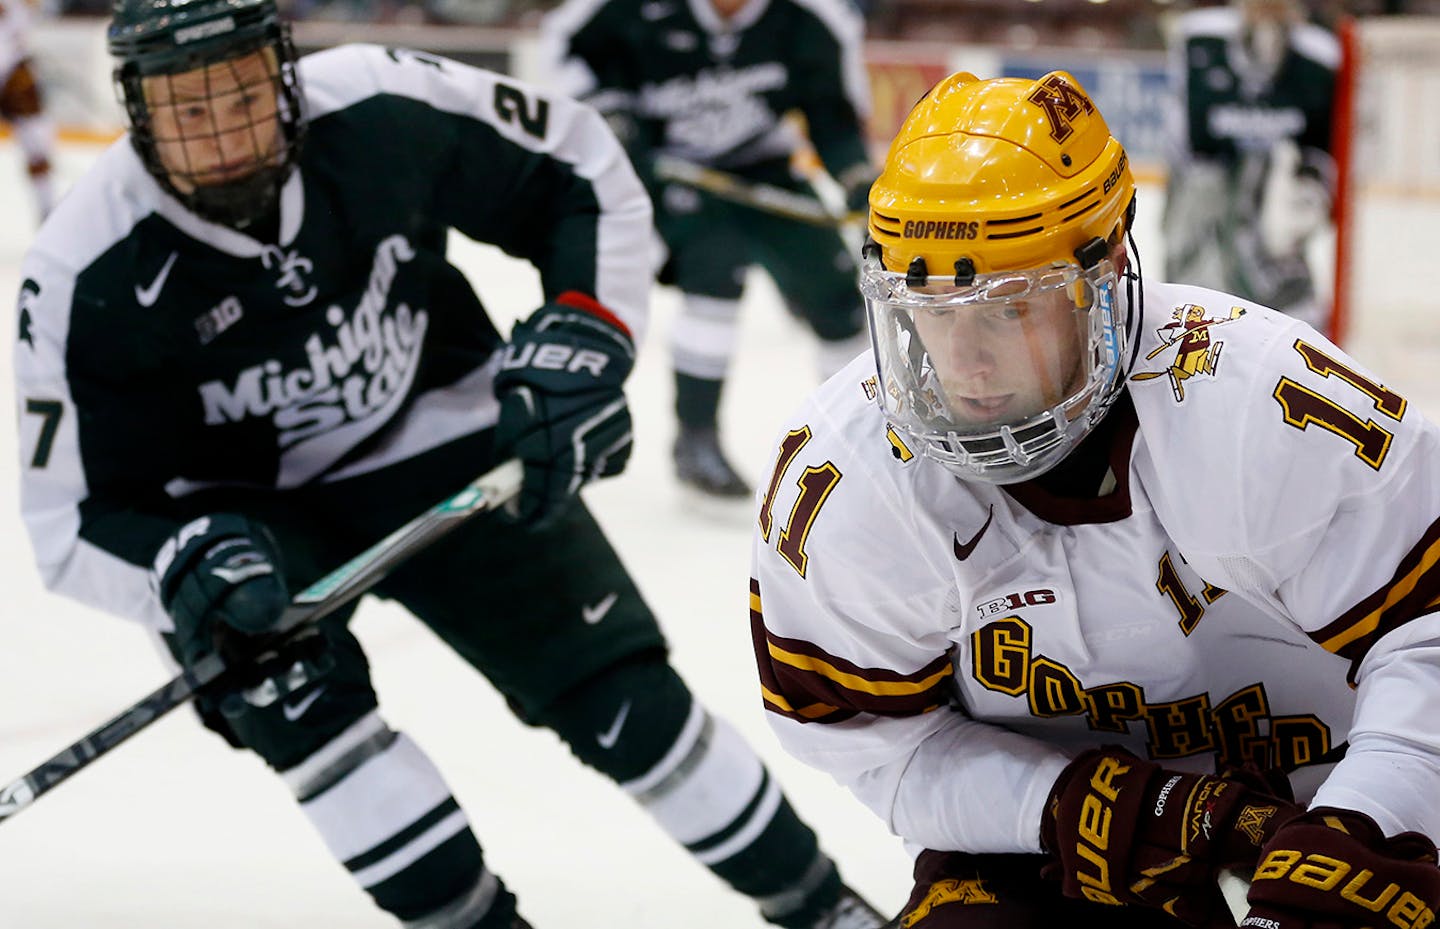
point(1258, 586)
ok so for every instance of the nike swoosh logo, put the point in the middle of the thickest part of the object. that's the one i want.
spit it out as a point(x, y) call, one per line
point(146, 296)
point(963, 550)
point(294, 711)
point(609, 737)
point(593, 614)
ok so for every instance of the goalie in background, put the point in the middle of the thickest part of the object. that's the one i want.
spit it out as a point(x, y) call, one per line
point(245, 358)
point(22, 104)
point(710, 82)
point(1251, 177)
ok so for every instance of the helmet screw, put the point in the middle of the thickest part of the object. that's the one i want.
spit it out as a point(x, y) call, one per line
point(1065, 159)
point(1091, 253)
point(918, 273)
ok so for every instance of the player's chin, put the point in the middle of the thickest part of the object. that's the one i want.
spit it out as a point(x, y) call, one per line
point(230, 173)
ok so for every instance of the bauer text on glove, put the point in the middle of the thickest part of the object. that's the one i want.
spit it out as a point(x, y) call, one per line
point(562, 403)
point(1122, 830)
point(1335, 869)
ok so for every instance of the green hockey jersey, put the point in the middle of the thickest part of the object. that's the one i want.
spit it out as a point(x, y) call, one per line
point(714, 91)
point(160, 354)
point(1227, 107)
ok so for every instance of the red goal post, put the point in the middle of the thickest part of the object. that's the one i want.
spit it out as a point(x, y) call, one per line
point(1387, 148)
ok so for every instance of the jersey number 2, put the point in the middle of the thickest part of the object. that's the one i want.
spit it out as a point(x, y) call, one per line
point(514, 107)
point(1304, 407)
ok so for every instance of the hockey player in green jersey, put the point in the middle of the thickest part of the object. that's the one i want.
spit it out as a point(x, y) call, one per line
point(1250, 171)
point(247, 358)
point(709, 83)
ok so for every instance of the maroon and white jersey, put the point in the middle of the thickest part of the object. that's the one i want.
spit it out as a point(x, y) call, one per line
point(1257, 585)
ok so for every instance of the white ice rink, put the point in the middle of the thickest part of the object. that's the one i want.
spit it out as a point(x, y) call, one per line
point(176, 830)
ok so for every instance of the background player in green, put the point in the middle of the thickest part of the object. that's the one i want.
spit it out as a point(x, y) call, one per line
point(710, 82)
point(255, 360)
point(1251, 175)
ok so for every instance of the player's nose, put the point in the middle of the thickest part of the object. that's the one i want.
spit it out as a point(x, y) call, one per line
point(969, 350)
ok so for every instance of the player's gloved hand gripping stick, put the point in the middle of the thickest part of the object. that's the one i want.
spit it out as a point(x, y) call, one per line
point(1124, 831)
point(563, 412)
point(1335, 869)
point(334, 590)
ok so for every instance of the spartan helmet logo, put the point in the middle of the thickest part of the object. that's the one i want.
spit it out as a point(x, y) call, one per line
point(1062, 103)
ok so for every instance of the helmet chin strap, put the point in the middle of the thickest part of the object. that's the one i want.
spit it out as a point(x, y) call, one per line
point(1134, 298)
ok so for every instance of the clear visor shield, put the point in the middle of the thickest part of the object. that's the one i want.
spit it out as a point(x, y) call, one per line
point(1001, 377)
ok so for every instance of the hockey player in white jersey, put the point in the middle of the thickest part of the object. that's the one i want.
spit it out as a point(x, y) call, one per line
point(1091, 586)
point(244, 357)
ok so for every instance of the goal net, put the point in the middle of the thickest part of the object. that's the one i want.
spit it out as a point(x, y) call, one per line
point(1387, 276)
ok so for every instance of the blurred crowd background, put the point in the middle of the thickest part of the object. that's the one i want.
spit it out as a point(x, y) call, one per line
point(1099, 24)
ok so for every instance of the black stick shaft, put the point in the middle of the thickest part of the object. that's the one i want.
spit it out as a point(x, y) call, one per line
point(330, 593)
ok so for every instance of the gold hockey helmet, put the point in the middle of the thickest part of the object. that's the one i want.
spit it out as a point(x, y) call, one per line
point(992, 279)
point(1008, 173)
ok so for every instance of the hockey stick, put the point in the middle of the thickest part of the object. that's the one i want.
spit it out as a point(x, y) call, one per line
point(325, 596)
point(767, 198)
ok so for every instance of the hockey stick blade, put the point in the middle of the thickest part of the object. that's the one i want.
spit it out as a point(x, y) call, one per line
point(767, 198)
point(325, 596)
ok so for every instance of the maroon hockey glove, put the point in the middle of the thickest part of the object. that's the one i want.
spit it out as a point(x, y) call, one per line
point(1125, 831)
point(1335, 869)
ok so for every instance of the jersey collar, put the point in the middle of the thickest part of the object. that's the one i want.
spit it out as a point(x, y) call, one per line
point(225, 239)
point(713, 23)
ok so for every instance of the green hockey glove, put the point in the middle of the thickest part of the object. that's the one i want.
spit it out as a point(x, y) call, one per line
point(562, 403)
point(219, 578)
